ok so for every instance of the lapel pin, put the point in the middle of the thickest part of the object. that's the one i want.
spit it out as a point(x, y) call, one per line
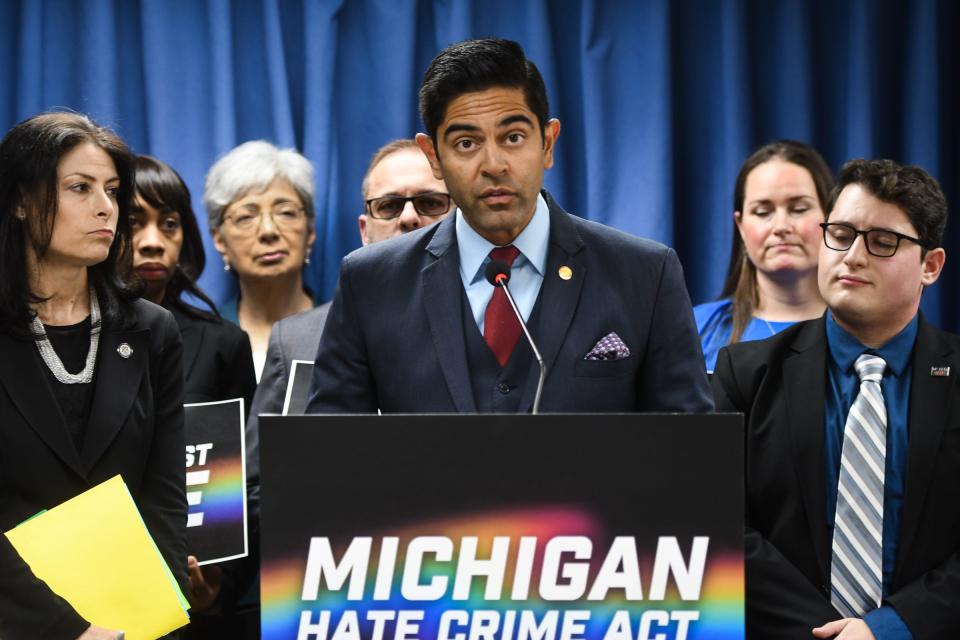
point(565, 272)
point(940, 372)
point(125, 350)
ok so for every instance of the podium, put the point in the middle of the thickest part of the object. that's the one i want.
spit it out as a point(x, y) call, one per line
point(507, 527)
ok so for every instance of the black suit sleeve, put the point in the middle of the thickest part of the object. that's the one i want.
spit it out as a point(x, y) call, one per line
point(673, 378)
point(28, 608)
point(239, 381)
point(162, 499)
point(239, 574)
point(342, 381)
point(240, 376)
point(780, 601)
point(930, 606)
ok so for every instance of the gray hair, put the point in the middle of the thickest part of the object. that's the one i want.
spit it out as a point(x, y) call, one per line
point(251, 167)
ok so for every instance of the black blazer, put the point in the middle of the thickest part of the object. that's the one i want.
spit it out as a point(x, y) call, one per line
point(779, 384)
point(217, 361)
point(135, 429)
point(218, 365)
point(394, 337)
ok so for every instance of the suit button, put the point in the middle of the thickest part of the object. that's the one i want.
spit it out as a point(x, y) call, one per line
point(503, 388)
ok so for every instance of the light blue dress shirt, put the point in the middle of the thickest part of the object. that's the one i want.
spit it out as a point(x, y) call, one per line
point(526, 275)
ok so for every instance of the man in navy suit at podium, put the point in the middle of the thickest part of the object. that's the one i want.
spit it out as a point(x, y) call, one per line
point(416, 328)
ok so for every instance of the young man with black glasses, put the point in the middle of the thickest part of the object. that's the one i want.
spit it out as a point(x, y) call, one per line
point(853, 431)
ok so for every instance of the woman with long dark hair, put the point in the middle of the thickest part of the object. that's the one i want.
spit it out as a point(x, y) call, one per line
point(91, 377)
point(779, 201)
point(168, 257)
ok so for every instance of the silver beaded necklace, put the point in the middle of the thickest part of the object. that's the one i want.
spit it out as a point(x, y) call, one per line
point(50, 356)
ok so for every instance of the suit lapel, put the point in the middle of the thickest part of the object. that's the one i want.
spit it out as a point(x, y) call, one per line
point(117, 384)
point(443, 308)
point(28, 389)
point(804, 382)
point(926, 427)
point(558, 297)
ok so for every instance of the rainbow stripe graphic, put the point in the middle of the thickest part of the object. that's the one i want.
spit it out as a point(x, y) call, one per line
point(720, 607)
point(222, 498)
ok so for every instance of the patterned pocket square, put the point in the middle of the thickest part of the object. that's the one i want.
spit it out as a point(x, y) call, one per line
point(610, 347)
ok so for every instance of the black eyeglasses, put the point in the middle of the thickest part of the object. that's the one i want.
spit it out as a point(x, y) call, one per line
point(426, 204)
point(882, 243)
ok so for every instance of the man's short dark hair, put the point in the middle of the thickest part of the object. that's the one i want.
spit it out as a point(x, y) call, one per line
point(477, 65)
point(911, 188)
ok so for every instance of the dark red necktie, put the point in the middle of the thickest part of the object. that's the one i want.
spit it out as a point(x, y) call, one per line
point(501, 329)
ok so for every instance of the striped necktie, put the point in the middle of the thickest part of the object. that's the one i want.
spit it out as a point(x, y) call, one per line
point(856, 570)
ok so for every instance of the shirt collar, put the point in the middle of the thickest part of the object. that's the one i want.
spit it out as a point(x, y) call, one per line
point(532, 243)
point(845, 349)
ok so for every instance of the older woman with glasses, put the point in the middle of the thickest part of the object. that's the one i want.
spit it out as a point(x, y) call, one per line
point(259, 200)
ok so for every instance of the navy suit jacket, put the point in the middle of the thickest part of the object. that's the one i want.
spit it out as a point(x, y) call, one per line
point(394, 337)
point(779, 384)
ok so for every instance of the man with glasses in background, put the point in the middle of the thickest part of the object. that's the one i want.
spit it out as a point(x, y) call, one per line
point(853, 431)
point(400, 194)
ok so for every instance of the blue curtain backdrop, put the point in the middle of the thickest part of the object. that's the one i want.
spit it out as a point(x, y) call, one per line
point(660, 101)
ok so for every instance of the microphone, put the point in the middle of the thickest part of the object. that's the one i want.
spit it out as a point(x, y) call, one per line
point(497, 273)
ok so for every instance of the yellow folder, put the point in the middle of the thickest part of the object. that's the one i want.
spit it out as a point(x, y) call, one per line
point(95, 552)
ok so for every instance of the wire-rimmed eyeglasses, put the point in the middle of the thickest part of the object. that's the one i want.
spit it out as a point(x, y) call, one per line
point(285, 216)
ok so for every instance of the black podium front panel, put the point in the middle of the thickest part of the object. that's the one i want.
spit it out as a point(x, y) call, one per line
point(495, 527)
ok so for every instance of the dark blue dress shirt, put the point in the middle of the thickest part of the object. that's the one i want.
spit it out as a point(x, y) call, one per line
point(843, 385)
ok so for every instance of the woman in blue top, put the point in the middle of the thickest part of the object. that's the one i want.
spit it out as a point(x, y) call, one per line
point(779, 201)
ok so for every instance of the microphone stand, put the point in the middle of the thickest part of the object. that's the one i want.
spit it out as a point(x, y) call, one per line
point(501, 281)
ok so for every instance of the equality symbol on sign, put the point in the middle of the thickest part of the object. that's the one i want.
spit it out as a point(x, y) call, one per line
point(196, 456)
